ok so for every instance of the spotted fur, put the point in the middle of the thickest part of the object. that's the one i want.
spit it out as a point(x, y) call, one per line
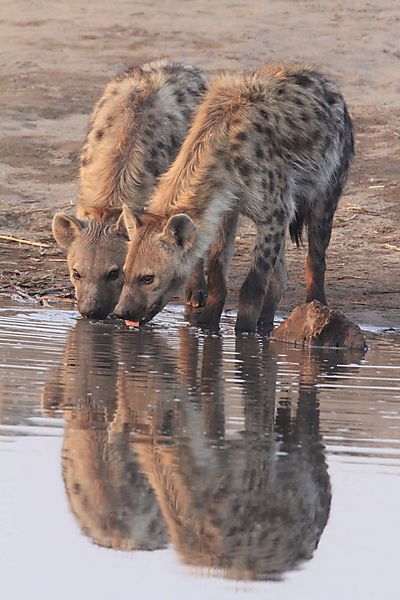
point(135, 132)
point(275, 146)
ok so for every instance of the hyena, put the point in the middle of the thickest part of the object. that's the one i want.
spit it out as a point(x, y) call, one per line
point(135, 132)
point(275, 146)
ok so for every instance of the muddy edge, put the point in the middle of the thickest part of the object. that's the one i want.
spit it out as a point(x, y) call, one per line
point(55, 63)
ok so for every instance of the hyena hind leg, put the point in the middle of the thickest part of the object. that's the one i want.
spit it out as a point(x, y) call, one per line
point(196, 289)
point(219, 259)
point(275, 291)
point(254, 288)
point(319, 235)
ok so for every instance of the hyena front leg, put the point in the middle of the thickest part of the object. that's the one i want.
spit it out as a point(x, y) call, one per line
point(196, 289)
point(219, 259)
point(253, 291)
point(275, 291)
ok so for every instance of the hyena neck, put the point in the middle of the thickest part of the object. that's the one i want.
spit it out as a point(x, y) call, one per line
point(198, 183)
point(108, 182)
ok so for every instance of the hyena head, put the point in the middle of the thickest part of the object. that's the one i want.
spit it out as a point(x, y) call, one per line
point(157, 264)
point(96, 251)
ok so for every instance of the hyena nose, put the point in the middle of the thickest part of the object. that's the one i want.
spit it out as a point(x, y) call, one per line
point(92, 310)
point(94, 314)
point(120, 314)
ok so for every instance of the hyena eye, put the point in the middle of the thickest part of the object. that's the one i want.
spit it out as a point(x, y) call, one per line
point(113, 274)
point(146, 279)
point(76, 274)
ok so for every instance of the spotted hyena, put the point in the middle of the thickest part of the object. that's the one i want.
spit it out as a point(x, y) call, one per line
point(135, 132)
point(275, 146)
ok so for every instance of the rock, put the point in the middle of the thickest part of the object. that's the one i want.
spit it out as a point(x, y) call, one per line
point(318, 325)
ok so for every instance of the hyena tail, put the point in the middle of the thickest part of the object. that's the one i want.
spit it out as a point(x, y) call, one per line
point(296, 227)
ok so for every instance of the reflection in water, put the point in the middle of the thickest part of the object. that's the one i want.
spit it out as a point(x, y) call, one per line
point(107, 491)
point(156, 450)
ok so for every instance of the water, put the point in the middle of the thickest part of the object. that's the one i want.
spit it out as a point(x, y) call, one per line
point(159, 463)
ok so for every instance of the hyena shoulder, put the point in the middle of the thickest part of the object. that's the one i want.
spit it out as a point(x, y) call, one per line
point(135, 132)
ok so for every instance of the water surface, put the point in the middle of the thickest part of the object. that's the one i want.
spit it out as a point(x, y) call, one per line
point(162, 463)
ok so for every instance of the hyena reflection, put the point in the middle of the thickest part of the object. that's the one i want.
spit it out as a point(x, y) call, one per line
point(148, 459)
point(253, 505)
point(110, 497)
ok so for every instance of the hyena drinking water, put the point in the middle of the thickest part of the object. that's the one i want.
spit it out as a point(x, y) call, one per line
point(275, 146)
point(135, 132)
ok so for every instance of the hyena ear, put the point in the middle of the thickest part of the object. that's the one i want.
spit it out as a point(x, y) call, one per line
point(182, 230)
point(111, 215)
point(128, 223)
point(65, 229)
point(120, 227)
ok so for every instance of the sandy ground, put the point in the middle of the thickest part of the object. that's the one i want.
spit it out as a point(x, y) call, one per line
point(55, 57)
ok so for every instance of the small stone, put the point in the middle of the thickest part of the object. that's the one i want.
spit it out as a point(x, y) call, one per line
point(314, 324)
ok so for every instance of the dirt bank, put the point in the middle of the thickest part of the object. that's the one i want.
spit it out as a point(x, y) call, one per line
point(55, 60)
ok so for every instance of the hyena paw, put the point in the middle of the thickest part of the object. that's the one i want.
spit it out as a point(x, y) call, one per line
point(244, 325)
point(196, 298)
point(264, 327)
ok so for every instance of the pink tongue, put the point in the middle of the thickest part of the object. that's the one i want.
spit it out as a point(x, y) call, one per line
point(132, 323)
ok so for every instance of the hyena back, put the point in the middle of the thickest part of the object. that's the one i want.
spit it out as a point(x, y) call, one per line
point(275, 146)
point(135, 132)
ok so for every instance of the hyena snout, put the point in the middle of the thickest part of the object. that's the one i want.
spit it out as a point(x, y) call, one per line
point(94, 309)
point(129, 308)
point(97, 301)
point(128, 314)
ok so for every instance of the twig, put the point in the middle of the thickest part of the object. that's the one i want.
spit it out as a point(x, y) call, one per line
point(47, 298)
point(23, 294)
point(390, 247)
point(364, 211)
point(343, 222)
point(377, 292)
point(9, 238)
